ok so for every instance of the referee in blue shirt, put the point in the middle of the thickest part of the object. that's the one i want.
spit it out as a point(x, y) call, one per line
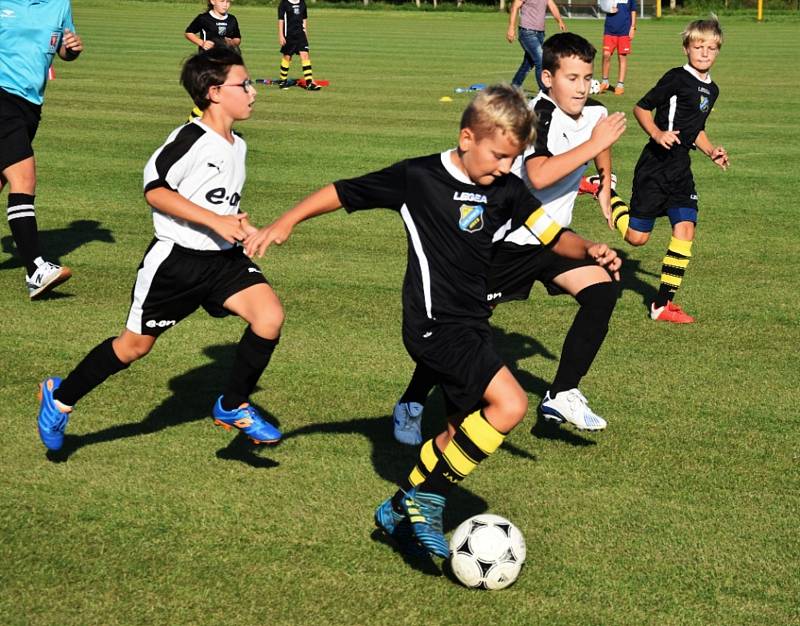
point(32, 32)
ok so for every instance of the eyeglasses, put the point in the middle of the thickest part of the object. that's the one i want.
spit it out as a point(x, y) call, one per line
point(245, 85)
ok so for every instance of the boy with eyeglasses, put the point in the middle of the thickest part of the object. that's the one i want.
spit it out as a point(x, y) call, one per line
point(193, 184)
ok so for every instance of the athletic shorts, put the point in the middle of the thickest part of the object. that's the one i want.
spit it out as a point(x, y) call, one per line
point(173, 282)
point(515, 268)
point(662, 181)
point(295, 45)
point(620, 43)
point(461, 358)
point(19, 120)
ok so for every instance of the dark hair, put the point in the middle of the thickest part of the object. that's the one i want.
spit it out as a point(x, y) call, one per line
point(206, 69)
point(563, 45)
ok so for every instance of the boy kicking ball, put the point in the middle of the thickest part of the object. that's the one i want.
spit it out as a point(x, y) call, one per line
point(452, 205)
point(193, 183)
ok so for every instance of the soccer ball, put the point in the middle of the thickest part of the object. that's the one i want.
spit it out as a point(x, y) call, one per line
point(594, 86)
point(487, 552)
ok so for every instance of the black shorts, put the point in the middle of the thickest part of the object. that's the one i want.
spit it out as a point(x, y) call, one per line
point(173, 282)
point(461, 359)
point(19, 120)
point(515, 268)
point(662, 180)
point(295, 45)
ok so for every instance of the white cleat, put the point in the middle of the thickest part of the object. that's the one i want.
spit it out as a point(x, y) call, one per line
point(46, 276)
point(571, 406)
point(408, 423)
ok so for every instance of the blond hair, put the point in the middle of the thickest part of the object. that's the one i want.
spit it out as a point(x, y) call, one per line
point(501, 107)
point(703, 30)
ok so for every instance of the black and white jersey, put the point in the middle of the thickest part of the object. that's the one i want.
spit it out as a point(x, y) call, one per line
point(211, 27)
point(292, 12)
point(203, 167)
point(556, 133)
point(683, 101)
point(450, 223)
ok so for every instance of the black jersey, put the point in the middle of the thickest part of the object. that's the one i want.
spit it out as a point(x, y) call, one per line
point(682, 102)
point(451, 224)
point(292, 12)
point(211, 28)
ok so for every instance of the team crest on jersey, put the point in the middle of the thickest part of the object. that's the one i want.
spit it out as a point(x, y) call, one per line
point(221, 28)
point(705, 104)
point(471, 218)
point(54, 42)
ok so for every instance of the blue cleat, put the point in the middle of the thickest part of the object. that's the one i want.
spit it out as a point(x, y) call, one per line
point(247, 419)
point(397, 526)
point(425, 511)
point(52, 420)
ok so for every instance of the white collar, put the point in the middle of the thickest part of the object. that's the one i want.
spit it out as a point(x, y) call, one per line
point(696, 74)
point(455, 172)
point(216, 15)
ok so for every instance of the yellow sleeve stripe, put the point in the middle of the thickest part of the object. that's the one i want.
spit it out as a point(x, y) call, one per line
point(542, 226)
point(482, 433)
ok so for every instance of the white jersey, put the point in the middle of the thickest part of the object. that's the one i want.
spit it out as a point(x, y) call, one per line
point(556, 133)
point(199, 164)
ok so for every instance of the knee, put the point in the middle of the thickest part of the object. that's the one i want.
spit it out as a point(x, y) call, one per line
point(129, 349)
point(636, 238)
point(601, 298)
point(514, 406)
point(269, 323)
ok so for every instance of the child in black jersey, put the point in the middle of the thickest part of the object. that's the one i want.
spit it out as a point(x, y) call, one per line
point(215, 27)
point(193, 184)
point(452, 204)
point(293, 38)
point(663, 183)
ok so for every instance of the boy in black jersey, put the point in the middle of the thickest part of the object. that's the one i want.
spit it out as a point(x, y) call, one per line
point(452, 205)
point(193, 184)
point(663, 182)
point(293, 38)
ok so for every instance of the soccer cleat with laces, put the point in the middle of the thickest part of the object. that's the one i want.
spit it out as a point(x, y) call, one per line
point(52, 419)
point(570, 406)
point(46, 276)
point(312, 87)
point(247, 419)
point(670, 312)
point(425, 511)
point(398, 527)
point(407, 418)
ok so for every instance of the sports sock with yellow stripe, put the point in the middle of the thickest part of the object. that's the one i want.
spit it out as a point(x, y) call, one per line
point(672, 270)
point(620, 213)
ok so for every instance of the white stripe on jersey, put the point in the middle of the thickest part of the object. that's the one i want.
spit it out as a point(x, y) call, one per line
point(673, 106)
point(425, 270)
point(144, 278)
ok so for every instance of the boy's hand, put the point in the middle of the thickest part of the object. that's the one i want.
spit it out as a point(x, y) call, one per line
point(207, 44)
point(666, 138)
point(282, 40)
point(229, 227)
point(608, 130)
point(719, 155)
point(562, 26)
point(511, 35)
point(605, 257)
point(277, 232)
point(72, 43)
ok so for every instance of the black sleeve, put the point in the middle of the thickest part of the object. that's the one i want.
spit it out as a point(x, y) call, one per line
point(282, 11)
point(233, 28)
point(195, 27)
point(661, 93)
point(544, 115)
point(384, 188)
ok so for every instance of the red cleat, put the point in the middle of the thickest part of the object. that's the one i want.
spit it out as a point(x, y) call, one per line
point(670, 312)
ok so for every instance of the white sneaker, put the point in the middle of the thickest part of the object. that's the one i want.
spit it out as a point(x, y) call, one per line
point(408, 423)
point(46, 276)
point(570, 406)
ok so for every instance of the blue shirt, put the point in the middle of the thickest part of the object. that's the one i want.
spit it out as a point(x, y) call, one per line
point(30, 35)
point(618, 23)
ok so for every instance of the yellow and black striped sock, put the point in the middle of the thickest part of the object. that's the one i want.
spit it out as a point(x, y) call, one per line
point(284, 72)
point(674, 267)
point(429, 455)
point(620, 213)
point(307, 73)
point(474, 440)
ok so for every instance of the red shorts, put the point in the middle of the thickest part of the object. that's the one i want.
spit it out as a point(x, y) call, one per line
point(621, 43)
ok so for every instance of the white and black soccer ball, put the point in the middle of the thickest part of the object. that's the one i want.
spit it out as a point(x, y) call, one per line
point(487, 552)
point(594, 87)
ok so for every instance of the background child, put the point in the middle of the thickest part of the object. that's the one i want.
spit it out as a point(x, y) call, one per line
point(618, 31)
point(293, 39)
point(193, 183)
point(662, 182)
point(570, 130)
point(215, 27)
point(452, 204)
point(531, 35)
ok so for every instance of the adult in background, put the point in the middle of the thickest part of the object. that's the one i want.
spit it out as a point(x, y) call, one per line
point(531, 35)
point(31, 34)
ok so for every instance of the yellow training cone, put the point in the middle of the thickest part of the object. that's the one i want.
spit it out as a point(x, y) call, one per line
point(445, 99)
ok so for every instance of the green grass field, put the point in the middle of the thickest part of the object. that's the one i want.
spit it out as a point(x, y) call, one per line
point(683, 512)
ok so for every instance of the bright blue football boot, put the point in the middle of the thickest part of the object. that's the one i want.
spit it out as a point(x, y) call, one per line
point(397, 526)
point(52, 421)
point(247, 419)
point(425, 511)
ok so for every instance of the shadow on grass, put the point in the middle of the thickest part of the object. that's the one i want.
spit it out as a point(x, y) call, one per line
point(631, 279)
point(194, 393)
point(59, 242)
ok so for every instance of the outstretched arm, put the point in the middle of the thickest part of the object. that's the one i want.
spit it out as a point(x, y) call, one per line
point(326, 200)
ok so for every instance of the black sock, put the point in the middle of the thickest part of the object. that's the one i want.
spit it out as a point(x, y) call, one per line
point(95, 368)
point(586, 335)
point(252, 357)
point(422, 381)
point(22, 221)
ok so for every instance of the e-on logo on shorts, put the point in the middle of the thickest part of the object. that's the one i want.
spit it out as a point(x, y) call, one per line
point(471, 218)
